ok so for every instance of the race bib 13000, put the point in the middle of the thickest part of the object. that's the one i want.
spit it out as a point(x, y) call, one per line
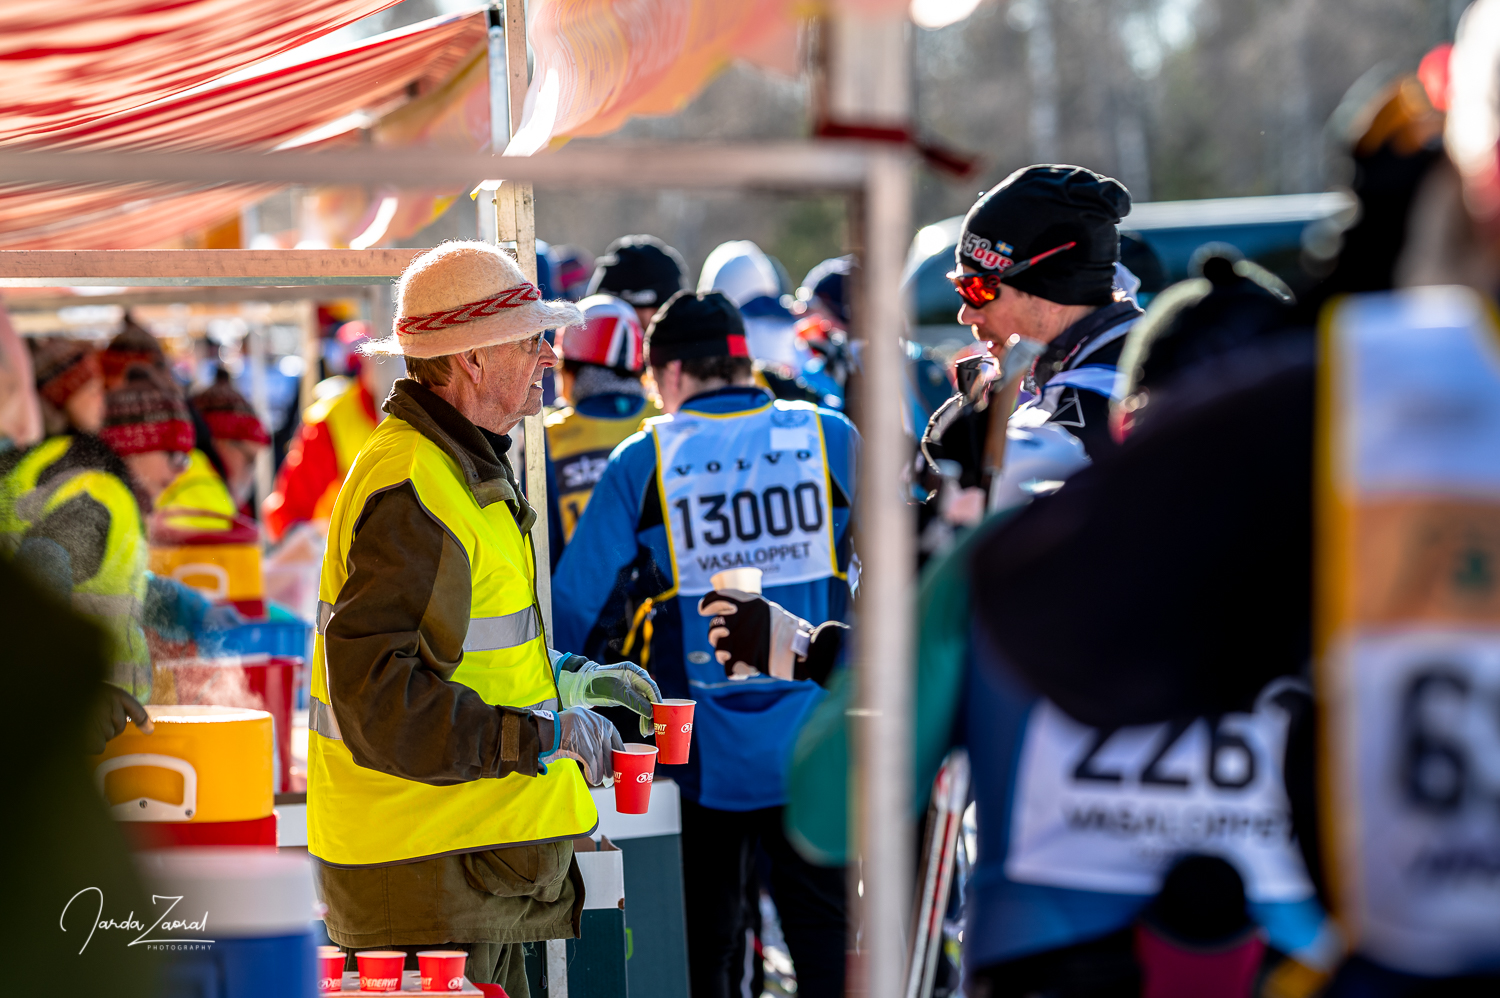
point(747, 491)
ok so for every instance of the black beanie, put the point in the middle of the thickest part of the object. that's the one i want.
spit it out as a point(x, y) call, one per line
point(1038, 209)
point(642, 270)
point(692, 325)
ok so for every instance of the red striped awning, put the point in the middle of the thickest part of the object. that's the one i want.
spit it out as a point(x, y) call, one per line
point(66, 64)
point(256, 112)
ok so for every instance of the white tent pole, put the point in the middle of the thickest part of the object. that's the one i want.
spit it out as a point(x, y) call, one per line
point(868, 68)
point(515, 228)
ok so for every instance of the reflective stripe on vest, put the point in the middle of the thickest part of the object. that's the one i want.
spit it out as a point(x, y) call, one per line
point(579, 447)
point(485, 633)
point(361, 817)
point(507, 631)
point(114, 595)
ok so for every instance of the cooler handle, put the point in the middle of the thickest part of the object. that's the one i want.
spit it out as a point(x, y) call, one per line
point(219, 573)
point(149, 808)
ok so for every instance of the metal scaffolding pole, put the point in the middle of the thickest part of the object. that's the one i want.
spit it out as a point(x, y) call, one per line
point(515, 230)
point(883, 781)
point(867, 83)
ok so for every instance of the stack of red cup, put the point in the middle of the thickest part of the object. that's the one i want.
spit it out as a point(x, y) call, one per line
point(330, 968)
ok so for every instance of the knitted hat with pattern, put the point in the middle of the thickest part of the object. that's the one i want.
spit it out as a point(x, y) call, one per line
point(134, 345)
point(464, 295)
point(146, 413)
point(62, 367)
point(228, 414)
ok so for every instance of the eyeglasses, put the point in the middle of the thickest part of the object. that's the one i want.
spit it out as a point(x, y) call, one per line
point(980, 289)
point(178, 461)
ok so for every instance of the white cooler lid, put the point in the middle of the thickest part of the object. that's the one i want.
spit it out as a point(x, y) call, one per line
point(245, 891)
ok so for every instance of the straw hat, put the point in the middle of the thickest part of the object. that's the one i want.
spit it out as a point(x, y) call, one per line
point(467, 294)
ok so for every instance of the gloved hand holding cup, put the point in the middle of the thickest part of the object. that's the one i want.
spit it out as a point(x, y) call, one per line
point(581, 682)
point(750, 634)
point(587, 738)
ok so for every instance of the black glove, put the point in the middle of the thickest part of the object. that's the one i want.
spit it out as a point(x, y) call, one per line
point(751, 635)
point(112, 709)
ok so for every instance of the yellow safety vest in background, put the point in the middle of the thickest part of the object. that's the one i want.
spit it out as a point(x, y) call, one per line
point(199, 487)
point(360, 817)
point(350, 426)
point(114, 596)
point(579, 447)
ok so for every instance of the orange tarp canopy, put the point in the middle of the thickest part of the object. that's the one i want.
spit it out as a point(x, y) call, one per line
point(65, 64)
point(257, 112)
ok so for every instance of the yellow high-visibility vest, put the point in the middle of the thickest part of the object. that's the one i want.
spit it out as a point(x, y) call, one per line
point(350, 426)
point(114, 596)
point(360, 817)
point(199, 487)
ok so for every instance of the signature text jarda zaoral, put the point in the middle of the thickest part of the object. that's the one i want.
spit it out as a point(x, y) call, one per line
point(164, 923)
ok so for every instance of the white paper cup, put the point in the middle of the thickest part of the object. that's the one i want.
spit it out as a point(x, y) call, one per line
point(746, 580)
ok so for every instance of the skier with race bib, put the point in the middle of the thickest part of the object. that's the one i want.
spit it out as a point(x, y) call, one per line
point(730, 478)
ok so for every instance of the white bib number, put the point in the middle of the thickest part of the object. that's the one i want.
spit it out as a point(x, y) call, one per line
point(1428, 774)
point(1110, 811)
point(747, 491)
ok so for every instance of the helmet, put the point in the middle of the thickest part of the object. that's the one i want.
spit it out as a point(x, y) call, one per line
point(643, 270)
point(828, 284)
point(745, 274)
point(610, 336)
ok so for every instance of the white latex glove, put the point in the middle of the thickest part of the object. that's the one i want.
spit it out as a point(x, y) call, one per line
point(589, 739)
point(581, 682)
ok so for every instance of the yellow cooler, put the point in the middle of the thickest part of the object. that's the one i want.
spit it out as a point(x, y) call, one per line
point(204, 776)
point(224, 562)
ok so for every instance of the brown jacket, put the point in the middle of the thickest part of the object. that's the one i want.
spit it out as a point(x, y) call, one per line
point(394, 641)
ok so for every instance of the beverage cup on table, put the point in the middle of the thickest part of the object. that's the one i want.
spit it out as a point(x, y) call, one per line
point(746, 580)
point(442, 969)
point(674, 730)
point(380, 969)
point(635, 765)
point(330, 968)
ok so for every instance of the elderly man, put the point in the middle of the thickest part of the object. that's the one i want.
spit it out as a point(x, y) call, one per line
point(445, 787)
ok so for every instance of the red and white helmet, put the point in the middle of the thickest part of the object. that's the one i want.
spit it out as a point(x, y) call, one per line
point(611, 335)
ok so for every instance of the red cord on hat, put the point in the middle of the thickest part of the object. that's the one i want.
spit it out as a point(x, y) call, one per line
point(482, 309)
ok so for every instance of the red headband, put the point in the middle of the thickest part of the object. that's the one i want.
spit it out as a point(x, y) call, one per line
point(224, 424)
point(484, 308)
point(140, 438)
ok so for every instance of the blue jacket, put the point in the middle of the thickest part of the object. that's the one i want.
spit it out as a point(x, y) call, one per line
point(619, 557)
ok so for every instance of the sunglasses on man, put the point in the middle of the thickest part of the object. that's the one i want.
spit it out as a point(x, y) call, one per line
point(982, 288)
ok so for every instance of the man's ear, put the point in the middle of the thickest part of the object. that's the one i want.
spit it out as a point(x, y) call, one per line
point(468, 362)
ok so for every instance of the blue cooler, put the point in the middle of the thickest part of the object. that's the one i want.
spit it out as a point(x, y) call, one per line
point(244, 926)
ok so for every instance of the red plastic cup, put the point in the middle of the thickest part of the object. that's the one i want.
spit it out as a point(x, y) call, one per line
point(330, 968)
point(634, 766)
point(442, 969)
point(380, 969)
point(674, 730)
